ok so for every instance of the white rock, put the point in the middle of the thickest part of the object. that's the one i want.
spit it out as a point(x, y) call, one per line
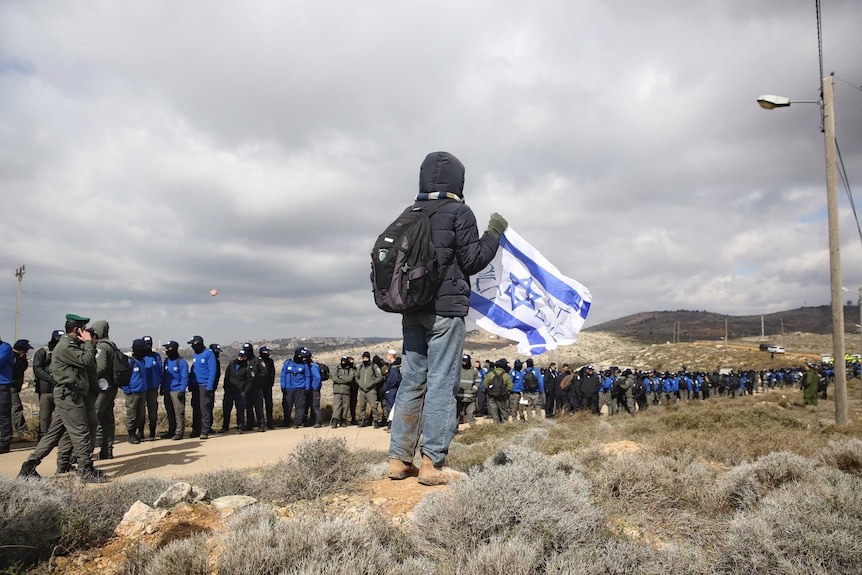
point(174, 494)
point(230, 503)
point(139, 519)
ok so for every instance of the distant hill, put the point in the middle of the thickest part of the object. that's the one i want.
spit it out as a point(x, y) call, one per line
point(684, 326)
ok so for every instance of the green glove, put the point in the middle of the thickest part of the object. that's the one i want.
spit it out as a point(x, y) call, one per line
point(497, 224)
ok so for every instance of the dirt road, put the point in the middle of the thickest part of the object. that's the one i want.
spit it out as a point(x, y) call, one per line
point(181, 459)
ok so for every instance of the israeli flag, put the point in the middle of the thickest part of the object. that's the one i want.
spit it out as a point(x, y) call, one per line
point(523, 297)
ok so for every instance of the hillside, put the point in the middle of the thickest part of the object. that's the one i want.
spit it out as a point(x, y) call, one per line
point(659, 326)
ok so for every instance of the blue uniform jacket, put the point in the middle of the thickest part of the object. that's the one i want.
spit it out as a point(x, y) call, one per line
point(300, 376)
point(7, 361)
point(607, 384)
point(204, 370)
point(138, 377)
point(176, 377)
point(517, 381)
point(154, 372)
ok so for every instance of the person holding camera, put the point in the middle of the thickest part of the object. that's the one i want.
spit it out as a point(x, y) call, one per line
point(73, 367)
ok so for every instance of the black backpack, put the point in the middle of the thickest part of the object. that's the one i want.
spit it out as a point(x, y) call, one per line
point(324, 371)
point(261, 370)
point(531, 382)
point(497, 387)
point(121, 368)
point(405, 274)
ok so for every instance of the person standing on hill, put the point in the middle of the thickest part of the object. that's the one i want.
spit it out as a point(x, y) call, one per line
point(590, 386)
point(810, 381)
point(21, 348)
point(534, 390)
point(342, 380)
point(203, 377)
point(296, 378)
point(237, 379)
point(45, 381)
point(175, 383)
point(7, 371)
point(552, 388)
point(425, 407)
point(312, 392)
point(627, 384)
point(264, 376)
point(155, 371)
point(608, 379)
point(107, 424)
point(481, 399)
point(390, 385)
point(516, 409)
point(498, 384)
point(73, 366)
point(136, 392)
point(368, 377)
point(466, 392)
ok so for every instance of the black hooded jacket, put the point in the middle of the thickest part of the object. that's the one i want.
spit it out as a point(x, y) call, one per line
point(461, 252)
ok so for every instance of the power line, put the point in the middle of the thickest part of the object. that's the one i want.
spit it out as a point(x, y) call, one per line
point(842, 172)
point(851, 84)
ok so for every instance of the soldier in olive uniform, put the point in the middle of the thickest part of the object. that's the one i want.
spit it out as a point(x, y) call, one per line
point(73, 363)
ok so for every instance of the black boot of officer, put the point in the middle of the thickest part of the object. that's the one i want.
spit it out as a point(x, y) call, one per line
point(28, 469)
point(89, 474)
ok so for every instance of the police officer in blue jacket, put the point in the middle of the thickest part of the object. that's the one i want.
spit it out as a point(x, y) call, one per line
point(296, 378)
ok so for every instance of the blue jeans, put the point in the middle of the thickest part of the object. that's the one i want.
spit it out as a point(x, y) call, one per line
point(425, 404)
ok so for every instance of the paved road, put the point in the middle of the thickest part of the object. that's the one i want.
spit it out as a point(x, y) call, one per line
point(180, 459)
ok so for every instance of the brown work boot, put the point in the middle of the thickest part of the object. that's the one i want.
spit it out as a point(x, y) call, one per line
point(431, 474)
point(401, 469)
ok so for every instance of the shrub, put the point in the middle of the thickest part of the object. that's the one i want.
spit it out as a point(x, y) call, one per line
point(91, 515)
point(744, 485)
point(845, 455)
point(30, 515)
point(259, 542)
point(811, 526)
point(188, 556)
point(227, 481)
point(651, 482)
point(318, 466)
point(503, 557)
point(622, 556)
point(524, 496)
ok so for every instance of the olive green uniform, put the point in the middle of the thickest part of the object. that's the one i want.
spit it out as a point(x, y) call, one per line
point(809, 385)
point(73, 364)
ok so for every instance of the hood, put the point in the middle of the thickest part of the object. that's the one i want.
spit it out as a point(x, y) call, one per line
point(100, 328)
point(441, 172)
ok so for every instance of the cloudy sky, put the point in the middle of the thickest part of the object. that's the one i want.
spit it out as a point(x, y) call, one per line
point(153, 151)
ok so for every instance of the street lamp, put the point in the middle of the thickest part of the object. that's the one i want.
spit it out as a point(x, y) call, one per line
point(827, 107)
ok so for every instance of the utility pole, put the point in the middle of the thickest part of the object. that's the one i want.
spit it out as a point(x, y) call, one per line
point(19, 273)
point(834, 252)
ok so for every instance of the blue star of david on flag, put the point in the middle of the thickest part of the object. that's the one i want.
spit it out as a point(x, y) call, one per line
point(521, 296)
point(526, 284)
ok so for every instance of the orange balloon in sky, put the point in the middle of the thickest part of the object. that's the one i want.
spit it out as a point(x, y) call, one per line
point(213, 292)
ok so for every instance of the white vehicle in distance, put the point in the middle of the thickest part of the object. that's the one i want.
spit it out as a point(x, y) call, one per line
point(775, 349)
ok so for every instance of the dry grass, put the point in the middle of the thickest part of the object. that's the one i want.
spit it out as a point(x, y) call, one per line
point(755, 484)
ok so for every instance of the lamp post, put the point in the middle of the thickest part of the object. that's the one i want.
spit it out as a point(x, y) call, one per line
point(828, 112)
point(19, 273)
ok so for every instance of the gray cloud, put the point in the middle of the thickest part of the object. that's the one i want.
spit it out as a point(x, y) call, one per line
point(152, 153)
